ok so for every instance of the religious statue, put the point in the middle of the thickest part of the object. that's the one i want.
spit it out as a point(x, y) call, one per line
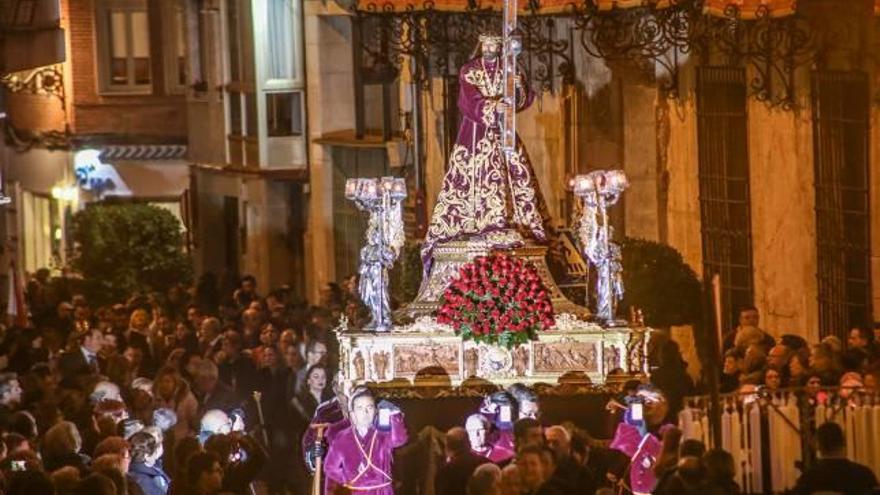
point(385, 237)
point(488, 193)
point(377, 258)
point(598, 190)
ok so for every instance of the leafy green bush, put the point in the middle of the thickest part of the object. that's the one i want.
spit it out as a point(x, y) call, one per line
point(121, 249)
point(659, 282)
point(406, 275)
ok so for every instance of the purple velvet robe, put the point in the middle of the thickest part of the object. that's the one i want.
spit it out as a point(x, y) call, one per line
point(642, 451)
point(363, 464)
point(497, 451)
point(327, 412)
point(485, 193)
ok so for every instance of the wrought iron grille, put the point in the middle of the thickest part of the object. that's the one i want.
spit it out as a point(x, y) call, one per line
point(840, 147)
point(724, 185)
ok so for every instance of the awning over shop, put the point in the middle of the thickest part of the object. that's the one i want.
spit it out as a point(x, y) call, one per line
point(746, 9)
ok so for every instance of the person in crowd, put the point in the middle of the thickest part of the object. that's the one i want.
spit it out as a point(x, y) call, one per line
point(210, 336)
point(749, 320)
point(486, 480)
point(211, 392)
point(184, 450)
point(833, 472)
point(531, 469)
point(10, 398)
point(241, 458)
point(720, 472)
point(268, 338)
point(526, 432)
point(30, 483)
point(669, 454)
point(778, 356)
point(171, 391)
point(278, 422)
point(314, 393)
point(316, 353)
point(825, 362)
point(246, 292)
point(84, 360)
point(360, 456)
point(568, 468)
point(773, 379)
point(501, 409)
point(461, 462)
point(138, 337)
point(61, 447)
point(204, 474)
point(478, 429)
point(215, 422)
point(145, 469)
point(237, 370)
point(511, 479)
point(526, 401)
point(798, 367)
point(730, 371)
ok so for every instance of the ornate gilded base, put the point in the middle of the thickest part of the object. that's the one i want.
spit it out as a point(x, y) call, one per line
point(451, 256)
point(429, 354)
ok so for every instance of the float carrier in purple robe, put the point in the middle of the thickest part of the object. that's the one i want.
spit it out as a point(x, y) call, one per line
point(643, 451)
point(363, 464)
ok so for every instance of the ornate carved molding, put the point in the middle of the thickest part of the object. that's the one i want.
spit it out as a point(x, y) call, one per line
point(45, 81)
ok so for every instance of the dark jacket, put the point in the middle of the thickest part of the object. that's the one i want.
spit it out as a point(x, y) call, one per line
point(836, 475)
point(240, 374)
point(238, 476)
point(453, 477)
point(73, 363)
point(79, 461)
point(151, 479)
point(222, 397)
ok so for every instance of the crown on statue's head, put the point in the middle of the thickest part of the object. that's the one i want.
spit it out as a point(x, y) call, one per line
point(491, 38)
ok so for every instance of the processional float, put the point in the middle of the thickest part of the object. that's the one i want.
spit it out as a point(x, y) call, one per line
point(411, 342)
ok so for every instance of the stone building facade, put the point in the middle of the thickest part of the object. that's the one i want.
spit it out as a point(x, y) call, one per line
point(759, 167)
point(771, 184)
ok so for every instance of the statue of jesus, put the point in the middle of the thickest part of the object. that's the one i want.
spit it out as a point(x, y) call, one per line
point(486, 194)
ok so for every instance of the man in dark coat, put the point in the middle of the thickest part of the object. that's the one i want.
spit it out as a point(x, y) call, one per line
point(85, 359)
point(452, 478)
point(833, 472)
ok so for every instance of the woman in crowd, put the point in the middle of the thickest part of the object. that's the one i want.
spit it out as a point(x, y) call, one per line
point(171, 391)
point(61, 447)
point(146, 450)
point(314, 393)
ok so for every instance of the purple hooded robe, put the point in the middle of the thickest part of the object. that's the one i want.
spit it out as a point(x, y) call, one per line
point(363, 464)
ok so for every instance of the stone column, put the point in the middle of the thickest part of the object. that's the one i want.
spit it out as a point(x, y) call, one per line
point(783, 215)
point(330, 107)
point(640, 160)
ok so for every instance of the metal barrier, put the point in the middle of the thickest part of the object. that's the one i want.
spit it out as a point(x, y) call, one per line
point(770, 433)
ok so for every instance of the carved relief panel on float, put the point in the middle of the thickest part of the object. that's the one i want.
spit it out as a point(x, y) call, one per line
point(431, 354)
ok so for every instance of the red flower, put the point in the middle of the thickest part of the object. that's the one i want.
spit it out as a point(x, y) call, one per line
point(496, 295)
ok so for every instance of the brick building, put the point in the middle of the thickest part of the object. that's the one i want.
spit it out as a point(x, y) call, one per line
point(107, 122)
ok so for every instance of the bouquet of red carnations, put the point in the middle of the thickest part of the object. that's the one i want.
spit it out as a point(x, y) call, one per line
point(499, 300)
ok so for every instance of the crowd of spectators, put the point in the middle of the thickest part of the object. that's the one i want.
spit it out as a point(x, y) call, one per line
point(204, 391)
point(191, 391)
point(754, 359)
